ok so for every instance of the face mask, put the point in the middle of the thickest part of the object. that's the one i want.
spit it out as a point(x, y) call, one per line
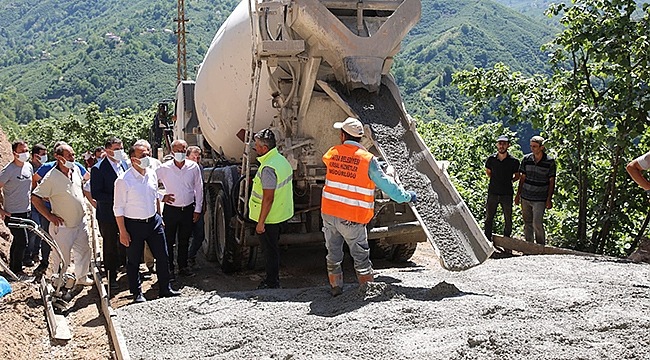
point(23, 157)
point(119, 155)
point(43, 159)
point(145, 162)
point(179, 156)
point(68, 164)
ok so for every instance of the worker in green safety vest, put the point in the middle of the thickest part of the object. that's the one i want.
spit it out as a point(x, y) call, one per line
point(271, 202)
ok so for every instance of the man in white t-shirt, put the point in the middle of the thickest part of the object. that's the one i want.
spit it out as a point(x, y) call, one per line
point(635, 168)
point(63, 186)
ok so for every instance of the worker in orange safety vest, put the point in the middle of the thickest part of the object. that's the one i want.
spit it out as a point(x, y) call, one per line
point(347, 203)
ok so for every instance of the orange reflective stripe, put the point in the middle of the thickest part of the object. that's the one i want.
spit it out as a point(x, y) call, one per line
point(348, 192)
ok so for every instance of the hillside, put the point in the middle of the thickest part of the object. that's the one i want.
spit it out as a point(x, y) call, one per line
point(115, 53)
point(59, 55)
point(455, 35)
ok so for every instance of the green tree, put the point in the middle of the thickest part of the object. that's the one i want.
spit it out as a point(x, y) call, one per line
point(593, 108)
point(466, 148)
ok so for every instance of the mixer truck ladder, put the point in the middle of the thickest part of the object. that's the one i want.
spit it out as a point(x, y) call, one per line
point(242, 203)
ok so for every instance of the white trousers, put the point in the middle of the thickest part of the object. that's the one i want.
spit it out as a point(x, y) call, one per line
point(72, 239)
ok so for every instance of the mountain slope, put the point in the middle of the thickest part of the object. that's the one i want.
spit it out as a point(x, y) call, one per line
point(455, 35)
point(63, 54)
point(116, 53)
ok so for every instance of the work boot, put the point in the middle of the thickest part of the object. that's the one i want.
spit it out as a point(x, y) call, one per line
point(363, 279)
point(336, 282)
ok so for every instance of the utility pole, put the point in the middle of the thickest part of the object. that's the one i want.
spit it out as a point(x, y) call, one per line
point(181, 50)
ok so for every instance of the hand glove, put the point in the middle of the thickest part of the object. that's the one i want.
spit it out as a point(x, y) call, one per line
point(414, 196)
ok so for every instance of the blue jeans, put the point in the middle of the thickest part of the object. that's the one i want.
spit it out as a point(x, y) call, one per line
point(533, 214)
point(337, 231)
point(198, 235)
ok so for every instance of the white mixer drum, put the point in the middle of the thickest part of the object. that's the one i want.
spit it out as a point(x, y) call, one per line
point(223, 86)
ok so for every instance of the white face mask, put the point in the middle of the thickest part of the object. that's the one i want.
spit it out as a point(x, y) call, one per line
point(43, 159)
point(23, 157)
point(68, 164)
point(179, 156)
point(145, 162)
point(119, 155)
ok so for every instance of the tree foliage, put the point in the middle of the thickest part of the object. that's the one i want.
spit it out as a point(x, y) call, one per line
point(466, 148)
point(92, 130)
point(593, 108)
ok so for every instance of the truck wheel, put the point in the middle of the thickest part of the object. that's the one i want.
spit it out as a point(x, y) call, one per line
point(221, 229)
point(403, 252)
point(209, 244)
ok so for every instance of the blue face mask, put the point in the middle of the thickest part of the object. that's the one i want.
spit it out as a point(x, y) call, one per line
point(179, 156)
point(145, 162)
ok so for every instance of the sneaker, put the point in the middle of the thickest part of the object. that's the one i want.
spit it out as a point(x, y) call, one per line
point(139, 298)
point(186, 272)
point(169, 293)
point(85, 281)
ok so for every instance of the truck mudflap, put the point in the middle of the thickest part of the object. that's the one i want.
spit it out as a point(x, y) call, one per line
point(448, 224)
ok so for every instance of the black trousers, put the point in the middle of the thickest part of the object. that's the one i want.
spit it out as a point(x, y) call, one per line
point(151, 231)
point(113, 253)
point(18, 244)
point(270, 240)
point(178, 222)
point(491, 209)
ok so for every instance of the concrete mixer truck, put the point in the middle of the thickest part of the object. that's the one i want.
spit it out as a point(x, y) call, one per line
point(296, 67)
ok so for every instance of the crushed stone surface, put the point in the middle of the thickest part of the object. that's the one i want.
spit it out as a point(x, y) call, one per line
point(529, 307)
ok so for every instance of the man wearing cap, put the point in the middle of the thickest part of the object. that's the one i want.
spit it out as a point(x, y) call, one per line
point(347, 203)
point(535, 191)
point(271, 202)
point(502, 169)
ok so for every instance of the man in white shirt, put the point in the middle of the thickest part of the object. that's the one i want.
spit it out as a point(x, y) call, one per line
point(63, 187)
point(182, 178)
point(137, 213)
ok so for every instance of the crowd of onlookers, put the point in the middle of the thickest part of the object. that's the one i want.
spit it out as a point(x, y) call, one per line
point(124, 186)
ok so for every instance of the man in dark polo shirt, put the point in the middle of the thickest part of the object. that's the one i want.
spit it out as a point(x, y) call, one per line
point(535, 191)
point(502, 169)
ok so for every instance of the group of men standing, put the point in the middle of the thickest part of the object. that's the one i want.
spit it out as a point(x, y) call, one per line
point(536, 175)
point(124, 187)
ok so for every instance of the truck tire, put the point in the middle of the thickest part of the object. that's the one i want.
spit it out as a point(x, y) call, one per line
point(209, 244)
point(221, 228)
point(398, 253)
point(403, 252)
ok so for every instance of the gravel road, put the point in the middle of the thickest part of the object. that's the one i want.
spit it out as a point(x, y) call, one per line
point(528, 307)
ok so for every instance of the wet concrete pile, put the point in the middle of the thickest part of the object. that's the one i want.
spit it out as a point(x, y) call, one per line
point(388, 125)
